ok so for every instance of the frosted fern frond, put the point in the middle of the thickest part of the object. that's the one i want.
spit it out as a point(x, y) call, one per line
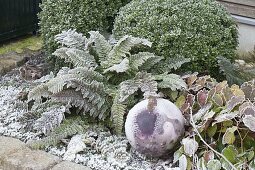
point(144, 81)
point(122, 48)
point(137, 60)
point(68, 128)
point(172, 81)
point(150, 62)
point(38, 92)
point(123, 66)
point(71, 39)
point(102, 46)
point(78, 58)
point(172, 63)
point(50, 120)
point(117, 112)
point(67, 78)
point(234, 74)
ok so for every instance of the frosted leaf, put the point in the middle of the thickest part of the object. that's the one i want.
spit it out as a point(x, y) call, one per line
point(209, 155)
point(249, 89)
point(45, 78)
point(201, 112)
point(172, 81)
point(225, 117)
point(229, 136)
point(249, 121)
point(178, 154)
point(201, 164)
point(190, 146)
point(217, 98)
point(71, 38)
point(50, 120)
point(183, 162)
point(75, 146)
point(234, 101)
point(202, 97)
point(123, 66)
point(247, 108)
point(214, 165)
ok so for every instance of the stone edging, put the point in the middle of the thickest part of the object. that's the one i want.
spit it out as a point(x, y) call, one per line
point(14, 155)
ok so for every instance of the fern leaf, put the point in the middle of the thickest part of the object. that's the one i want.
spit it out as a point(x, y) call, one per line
point(38, 92)
point(68, 128)
point(102, 46)
point(50, 120)
point(172, 63)
point(172, 81)
point(150, 63)
point(122, 48)
point(118, 111)
point(67, 78)
point(139, 59)
point(234, 75)
point(144, 81)
point(71, 39)
point(78, 58)
point(123, 66)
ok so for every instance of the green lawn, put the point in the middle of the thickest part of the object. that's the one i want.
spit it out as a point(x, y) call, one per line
point(33, 43)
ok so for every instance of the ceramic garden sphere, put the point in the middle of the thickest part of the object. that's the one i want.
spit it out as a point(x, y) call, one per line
point(153, 126)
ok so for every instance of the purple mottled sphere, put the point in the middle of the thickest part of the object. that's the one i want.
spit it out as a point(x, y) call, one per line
point(153, 126)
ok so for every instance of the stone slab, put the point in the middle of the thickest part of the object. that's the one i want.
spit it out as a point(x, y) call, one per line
point(9, 146)
point(27, 159)
point(66, 165)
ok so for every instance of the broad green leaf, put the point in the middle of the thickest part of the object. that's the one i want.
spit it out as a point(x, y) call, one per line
point(250, 155)
point(230, 153)
point(229, 136)
point(217, 100)
point(249, 121)
point(180, 101)
point(214, 165)
point(190, 146)
point(212, 130)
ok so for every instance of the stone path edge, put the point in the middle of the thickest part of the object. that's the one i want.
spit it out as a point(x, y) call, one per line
point(14, 155)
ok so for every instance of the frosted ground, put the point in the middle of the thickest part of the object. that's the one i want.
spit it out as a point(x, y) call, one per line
point(97, 149)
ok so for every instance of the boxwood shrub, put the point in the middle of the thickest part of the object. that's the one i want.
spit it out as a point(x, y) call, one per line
point(197, 29)
point(82, 15)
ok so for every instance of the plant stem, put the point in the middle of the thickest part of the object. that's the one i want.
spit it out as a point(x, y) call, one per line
point(201, 138)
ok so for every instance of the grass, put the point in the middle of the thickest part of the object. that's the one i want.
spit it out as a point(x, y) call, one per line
point(33, 43)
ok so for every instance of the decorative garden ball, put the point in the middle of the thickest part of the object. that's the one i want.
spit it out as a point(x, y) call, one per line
point(153, 126)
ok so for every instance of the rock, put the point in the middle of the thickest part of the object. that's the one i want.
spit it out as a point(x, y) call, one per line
point(9, 146)
point(28, 159)
point(65, 165)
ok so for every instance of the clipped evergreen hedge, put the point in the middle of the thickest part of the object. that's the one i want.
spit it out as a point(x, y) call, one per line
point(196, 29)
point(82, 15)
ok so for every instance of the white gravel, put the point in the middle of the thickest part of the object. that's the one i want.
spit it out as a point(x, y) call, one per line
point(103, 150)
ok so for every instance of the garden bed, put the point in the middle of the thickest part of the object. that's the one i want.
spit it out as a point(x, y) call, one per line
point(102, 150)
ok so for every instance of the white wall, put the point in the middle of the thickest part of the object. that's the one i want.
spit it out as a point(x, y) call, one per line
point(246, 28)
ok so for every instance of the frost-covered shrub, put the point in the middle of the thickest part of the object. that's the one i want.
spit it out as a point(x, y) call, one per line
point(82, 15)
point(196, 29)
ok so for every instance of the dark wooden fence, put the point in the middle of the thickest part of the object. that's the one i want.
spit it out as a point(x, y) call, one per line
point(18, 17)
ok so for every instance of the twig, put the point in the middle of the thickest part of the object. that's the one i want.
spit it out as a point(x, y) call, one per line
point(201, 138)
